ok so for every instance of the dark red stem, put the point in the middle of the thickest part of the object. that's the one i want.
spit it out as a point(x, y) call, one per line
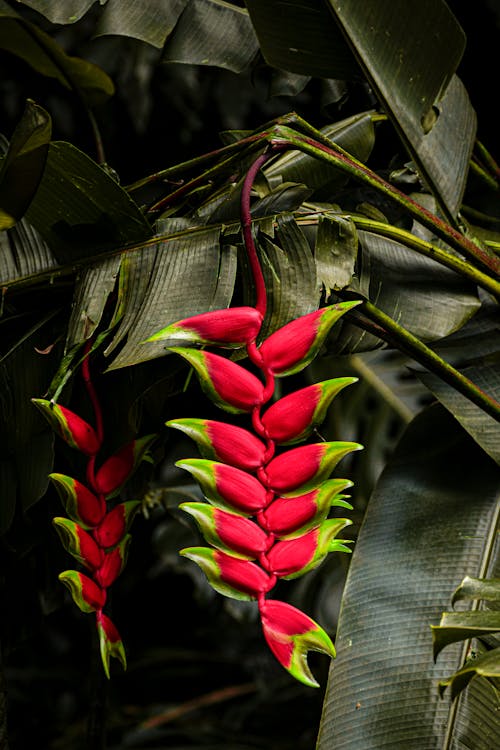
point(246, 225)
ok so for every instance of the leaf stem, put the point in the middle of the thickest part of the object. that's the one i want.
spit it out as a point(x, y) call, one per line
point(430, 250)
point(405, 341)
point(283, 137)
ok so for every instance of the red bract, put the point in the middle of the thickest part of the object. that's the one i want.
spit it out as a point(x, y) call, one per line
point(80, 503)
point(228, 531)
point(242, 575)
point(74, 430)
point(116, 523)
point(227, 486)
point(227, 384)
point(87, 595)
point(112, 565)
point(117, 469)
point(224, 442)
point(293, 417)
point(234, 326)
point(295, 345)
point(308, 465)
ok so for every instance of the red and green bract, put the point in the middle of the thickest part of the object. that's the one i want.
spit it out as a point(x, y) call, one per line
point(95, 533)
point(267, 512)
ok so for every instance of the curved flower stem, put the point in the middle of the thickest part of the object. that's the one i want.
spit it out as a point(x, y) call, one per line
point(387, 329)
point(284, 137)
point(246, 225)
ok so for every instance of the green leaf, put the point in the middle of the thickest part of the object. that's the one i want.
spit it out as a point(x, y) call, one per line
point(302, 37)
point(197, 38)
point(23, 165)
point(460, 626)
point(27, 444)
point(486, 665)
point(23, 253)
point(289, 273)
point(68, 12)
point(335, 252)
point(478, 588)
point(25, 40)
point(420, 534)
point(80, 210)
point(164, 282)
point(423, 296)
point(150, 22)
point(396, 49)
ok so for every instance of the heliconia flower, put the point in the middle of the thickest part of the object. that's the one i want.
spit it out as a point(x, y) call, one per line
point(118, 468)
point(229, 532)
point(294, 557)
point(294, 346)
point(223, 442)
point(301, 469)
point(110, 642)
point(238, 579)
point(226, 383)
point(293, 417)
point(74, 430)
point(231, 327)
point(78, 543)
point(113, 563)
point(226, 486)
point(80, 503)
point(87, 595)
point(116, 523)
point(290, 634)
point(292, 516)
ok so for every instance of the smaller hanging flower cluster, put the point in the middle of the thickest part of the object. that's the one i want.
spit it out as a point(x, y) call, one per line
point(267, 513)
point(94, 534)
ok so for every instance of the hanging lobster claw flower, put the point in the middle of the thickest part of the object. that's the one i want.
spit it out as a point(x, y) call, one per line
point(116, 523)
point(226, 486)
point(292, 516)
point(87, 595)
point(304, 468)
point(74, 430)
point(227, 384)
point(223, 442)
point(294, 346)
point(113, 563)
point(290, 634)
point(118, 468)
point(78, 543)
point(80, 503)
point(234, 326)
point(110, 642)
point(229, 532)
point(293, 417)
point(294, 557)
point(238, 579)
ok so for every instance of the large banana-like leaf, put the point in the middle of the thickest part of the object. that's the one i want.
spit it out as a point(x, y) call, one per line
point(80, 209)
point(27, 445)
point(197, 38)
point(151, 22)
point(23, 164)
point(424, 297)
point(431, 520)
point(167, 281)
point(23, 39)
point(399, 51)
point(23, 253)
point(475, 350)
point(290, 274)
point(69, 11)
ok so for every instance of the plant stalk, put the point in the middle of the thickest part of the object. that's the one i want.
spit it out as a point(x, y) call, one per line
point(387, 329)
